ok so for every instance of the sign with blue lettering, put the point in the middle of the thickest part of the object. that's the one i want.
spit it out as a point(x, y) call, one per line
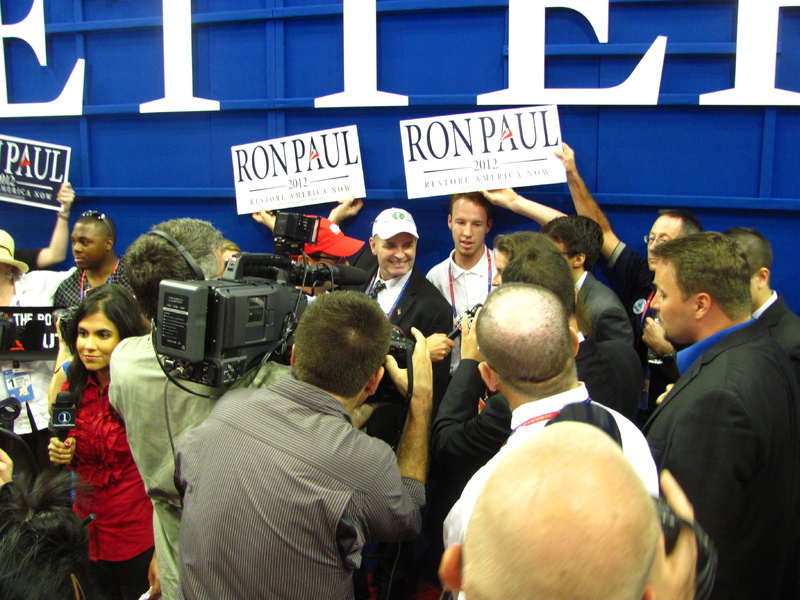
point(31, 172)
point(482, 151)
point(309, 168)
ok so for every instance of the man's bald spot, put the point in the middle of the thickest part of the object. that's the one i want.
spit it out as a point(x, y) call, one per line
point(562, 516)
point(523, 333)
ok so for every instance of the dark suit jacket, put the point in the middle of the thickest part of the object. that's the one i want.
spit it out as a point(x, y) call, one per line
point(604, 311)
point(728, 432)
point(423, 307)
point(783, 326)
point(462, 437)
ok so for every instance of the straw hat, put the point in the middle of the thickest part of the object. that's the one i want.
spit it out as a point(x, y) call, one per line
point(7, 253)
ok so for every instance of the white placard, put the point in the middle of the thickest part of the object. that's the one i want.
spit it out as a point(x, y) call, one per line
point(310, 168)
point(482, 151)
point(31, 172)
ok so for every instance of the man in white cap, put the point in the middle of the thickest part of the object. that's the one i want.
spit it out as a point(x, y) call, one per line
point(408, 300)
point(405, 296)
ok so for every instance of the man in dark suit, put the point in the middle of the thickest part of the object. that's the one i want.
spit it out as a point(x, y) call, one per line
point(580, 238)
point(464, 437)
point(780, 323)
point(728, 429)
point(408, 300)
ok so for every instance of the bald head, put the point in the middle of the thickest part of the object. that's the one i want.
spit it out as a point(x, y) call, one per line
point(524, 337)
point(563, 516)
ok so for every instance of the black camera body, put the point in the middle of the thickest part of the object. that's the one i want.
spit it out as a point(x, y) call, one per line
point(212, 331)
point(293, 231)
point(402, 349)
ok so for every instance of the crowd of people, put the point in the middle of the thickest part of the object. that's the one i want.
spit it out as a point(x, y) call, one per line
point(556, 436)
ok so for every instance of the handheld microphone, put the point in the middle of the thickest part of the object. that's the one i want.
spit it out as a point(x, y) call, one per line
point(470, 314)
point(62, 415)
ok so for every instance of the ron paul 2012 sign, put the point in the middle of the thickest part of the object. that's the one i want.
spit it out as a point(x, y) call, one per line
point(482, 151)
point(309, 168)
point(31, 172)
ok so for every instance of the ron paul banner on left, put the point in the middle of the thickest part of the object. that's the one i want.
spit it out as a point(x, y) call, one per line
point(31, 172)
point(310, 168)
point(482, 151)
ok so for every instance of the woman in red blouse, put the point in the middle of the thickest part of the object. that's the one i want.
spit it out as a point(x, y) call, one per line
point(121, 536)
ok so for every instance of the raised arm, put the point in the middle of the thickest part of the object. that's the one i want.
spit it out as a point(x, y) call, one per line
point(57, 250)
point(584, 202)
point(508, 198)
point(412, 450)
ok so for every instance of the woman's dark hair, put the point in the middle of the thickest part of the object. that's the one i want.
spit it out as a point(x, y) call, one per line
point(45, 544)
point(119, 307)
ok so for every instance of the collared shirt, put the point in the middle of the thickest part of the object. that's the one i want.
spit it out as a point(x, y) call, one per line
point(388, 297)
point(470, 287)
point(762, 309)
point(634, 446)
point(687, 356)
point(282, 494)
point(73, 289)
point(581, 279)
point(124, 524)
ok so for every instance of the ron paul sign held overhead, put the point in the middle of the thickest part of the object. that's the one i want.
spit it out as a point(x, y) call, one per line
point(482, 151)
point(31, 172)
point(309, 168)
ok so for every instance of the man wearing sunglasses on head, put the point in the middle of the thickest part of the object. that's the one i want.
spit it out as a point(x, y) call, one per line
point(93, 238)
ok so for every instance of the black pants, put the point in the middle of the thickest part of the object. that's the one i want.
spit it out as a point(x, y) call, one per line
point(124, 579)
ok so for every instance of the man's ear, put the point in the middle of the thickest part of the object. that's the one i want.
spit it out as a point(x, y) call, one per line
point(489, 376)
point(762, 277)
point(489, 225)
point(578, 260)
point(372, 246)
point(292, 357)
point(450, 568)
point(450, 222)
point(373, 382)
point(703, 304)
point(576, 342)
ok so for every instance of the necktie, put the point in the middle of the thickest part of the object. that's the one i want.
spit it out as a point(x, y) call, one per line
point(376, 289)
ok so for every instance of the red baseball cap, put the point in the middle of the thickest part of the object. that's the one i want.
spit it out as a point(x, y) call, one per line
point(331, 240)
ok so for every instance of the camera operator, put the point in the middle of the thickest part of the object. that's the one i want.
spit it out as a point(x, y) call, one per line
point(139, 390)
point(307, 488)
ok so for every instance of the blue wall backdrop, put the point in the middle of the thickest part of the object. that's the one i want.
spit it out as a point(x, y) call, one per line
point(266, 61)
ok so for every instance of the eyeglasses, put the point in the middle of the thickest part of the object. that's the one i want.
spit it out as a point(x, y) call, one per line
point(655, 241)
point(94, 214)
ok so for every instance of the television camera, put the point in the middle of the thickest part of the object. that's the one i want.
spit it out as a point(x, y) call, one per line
point(213, 331)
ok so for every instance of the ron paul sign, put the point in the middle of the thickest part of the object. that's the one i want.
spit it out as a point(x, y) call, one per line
point(323, 166)
point(31, 172)
point(481, 151)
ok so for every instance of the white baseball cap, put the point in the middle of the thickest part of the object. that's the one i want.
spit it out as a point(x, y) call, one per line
point(393, 221)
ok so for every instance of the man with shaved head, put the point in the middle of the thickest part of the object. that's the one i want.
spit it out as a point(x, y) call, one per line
point(564, 515)
point(528, 353)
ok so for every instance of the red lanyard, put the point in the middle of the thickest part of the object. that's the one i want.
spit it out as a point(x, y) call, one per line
point(646, 308)
point(539, 419)
point(452, 290)
point(83, 279)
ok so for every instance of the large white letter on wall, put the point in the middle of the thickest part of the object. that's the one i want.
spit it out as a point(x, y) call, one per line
point(178, 68)
point(756, 55)
point(526, 30)
point(360, 61)
point(31, 31)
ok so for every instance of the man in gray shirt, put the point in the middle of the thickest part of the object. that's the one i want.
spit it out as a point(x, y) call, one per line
point(282, 489)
